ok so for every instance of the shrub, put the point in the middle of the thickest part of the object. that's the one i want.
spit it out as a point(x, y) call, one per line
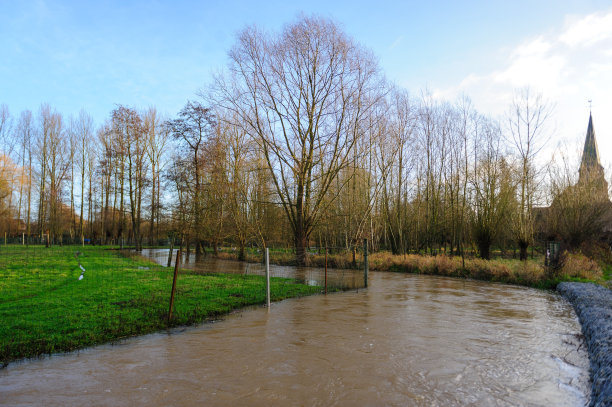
point(577, 265)
point(445, 265)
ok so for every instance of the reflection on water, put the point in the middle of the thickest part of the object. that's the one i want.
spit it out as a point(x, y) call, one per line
point(406, 340)
point(336, 278)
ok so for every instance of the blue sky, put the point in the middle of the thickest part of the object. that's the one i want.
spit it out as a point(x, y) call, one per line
point(95, 54)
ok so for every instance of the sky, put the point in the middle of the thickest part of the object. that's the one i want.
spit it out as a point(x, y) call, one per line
point(93, 55)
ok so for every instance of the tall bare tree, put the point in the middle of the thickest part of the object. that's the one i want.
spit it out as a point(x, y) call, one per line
point(7, 169)
point(53, 172)
point(129, 128)
point(492, 189)
point(157, 137)
point(526, 124)
point(25, 133)
point(194, 127)
point(302, 94)
point(84, 134)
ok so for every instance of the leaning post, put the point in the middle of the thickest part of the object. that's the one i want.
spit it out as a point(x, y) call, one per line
point(176, 266)
point(365, 262)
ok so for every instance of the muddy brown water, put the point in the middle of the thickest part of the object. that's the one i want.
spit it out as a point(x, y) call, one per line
point(336, 278)
point(406, 340)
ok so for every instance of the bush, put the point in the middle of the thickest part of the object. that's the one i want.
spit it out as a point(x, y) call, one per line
point(577, 265)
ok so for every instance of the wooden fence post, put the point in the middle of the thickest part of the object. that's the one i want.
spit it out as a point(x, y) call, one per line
point(176, 266)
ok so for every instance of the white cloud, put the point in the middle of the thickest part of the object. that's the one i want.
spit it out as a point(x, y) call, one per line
point(567, 68)
point(534, 47)
point(588, 30)
point(546, 71)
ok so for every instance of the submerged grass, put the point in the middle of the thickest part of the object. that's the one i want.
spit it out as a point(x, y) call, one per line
point(44, 308)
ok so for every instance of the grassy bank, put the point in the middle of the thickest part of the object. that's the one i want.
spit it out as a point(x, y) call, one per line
point(44, 308)
point(532, 273)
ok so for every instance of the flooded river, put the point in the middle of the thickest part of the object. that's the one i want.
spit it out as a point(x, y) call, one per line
point(344, 279)
point(407, 340)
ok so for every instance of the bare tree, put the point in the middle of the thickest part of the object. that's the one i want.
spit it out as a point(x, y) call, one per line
point(238, 160)
point(84, 133)
point(194, 127)
point(6, 124)
point(395, 195)
point(581, 210)
point(73, 146)
point(7, 168)
point(53, 172)
point(491, 187)
point(302, 95)
point(25, 132)
point(526, 124)
point(128, 127)
point(157, 141)
point(105, 169)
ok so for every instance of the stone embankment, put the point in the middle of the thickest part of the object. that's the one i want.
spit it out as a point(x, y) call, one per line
point(593, 305)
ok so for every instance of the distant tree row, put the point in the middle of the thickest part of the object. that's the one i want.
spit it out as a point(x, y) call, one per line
point(301, 142)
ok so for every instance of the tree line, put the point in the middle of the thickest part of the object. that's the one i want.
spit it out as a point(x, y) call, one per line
point(301, 142)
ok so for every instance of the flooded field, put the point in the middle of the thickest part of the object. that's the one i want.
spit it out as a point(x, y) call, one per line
point(406, 340)
point(336, 278)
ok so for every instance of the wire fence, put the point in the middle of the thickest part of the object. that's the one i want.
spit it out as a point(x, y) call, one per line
point(62, 298)
point(343, 278)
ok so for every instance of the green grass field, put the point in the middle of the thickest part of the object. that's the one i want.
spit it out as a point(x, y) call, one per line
point(44, 308)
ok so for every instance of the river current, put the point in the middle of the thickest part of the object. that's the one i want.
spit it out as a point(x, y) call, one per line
point(407, 340)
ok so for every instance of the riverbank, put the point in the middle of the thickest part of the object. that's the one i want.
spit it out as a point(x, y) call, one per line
point(532, 273)
point(49, 304)
point(593, 305)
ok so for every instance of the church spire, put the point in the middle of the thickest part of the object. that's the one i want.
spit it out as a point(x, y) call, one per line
point(590, 154)
point(591, 171)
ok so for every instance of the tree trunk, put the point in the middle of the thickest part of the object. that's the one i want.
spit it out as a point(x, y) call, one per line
point(301, 242)
point(241, 254)
point(484, 247)
point(523, 249)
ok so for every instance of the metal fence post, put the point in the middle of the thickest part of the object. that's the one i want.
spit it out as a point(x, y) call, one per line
point(268, 277)
point(365, 262)
point(326, 270)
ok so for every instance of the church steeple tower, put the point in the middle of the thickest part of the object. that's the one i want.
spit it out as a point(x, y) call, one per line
point(590, 154)
point(591, 171)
